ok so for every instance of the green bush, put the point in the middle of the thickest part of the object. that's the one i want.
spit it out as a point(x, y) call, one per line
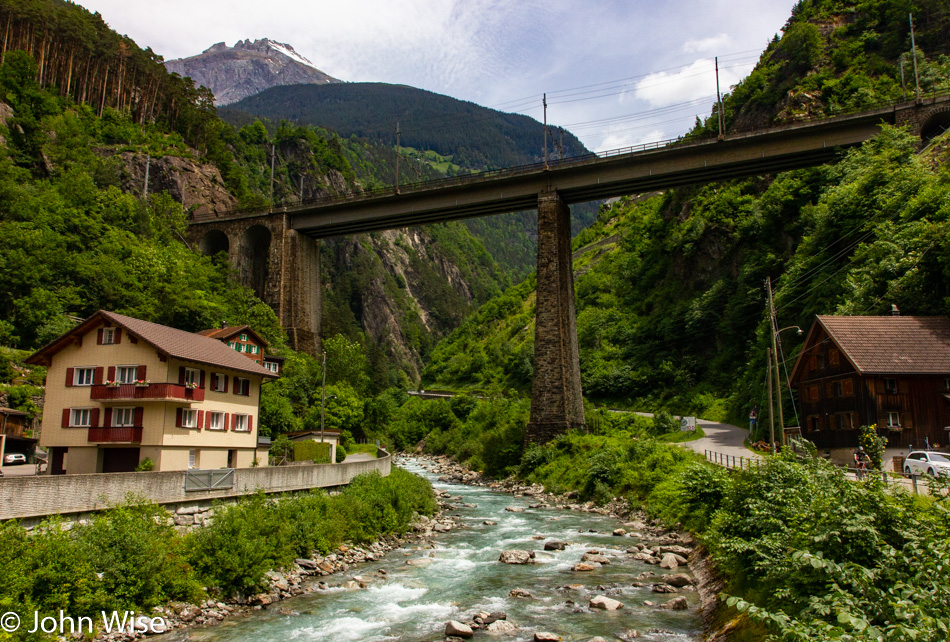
point(145, 465)
point(315, 451)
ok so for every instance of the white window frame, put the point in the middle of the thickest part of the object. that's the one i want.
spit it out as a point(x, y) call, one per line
point(242, 423)
point(219, 382)
point(192, 376)
point(189, 418)
point(192, 459)
point(78, 376)
point(273, 366)
point(891, 415)
point(243, 337)
point(123, 415)
point(232, 345)
point(80, 417)
point(253, 349)
point(215, 417)
point(124, 370)
point(108, 336)
point(239, 386)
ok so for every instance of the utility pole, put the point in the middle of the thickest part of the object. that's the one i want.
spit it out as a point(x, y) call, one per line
point(768, 363)
point(913, 48)
point(719, 98)
point(273, 154)
point(778, 381)
point(148, 162)
point(903, 82)
point(544, 101)
point(397, 156)
point(323, 394)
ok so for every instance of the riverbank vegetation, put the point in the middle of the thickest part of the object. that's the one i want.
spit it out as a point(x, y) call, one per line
point(131, 557)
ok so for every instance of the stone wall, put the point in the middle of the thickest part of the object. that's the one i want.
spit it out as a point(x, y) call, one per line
point(32, 498)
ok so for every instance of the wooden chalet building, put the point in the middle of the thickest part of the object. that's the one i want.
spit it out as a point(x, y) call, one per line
point(893, 371)
point(243, 339)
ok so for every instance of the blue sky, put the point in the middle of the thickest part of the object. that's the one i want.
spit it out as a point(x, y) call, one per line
point(616, 72)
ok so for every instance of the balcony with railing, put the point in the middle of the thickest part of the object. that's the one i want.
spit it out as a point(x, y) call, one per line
point(124, 434)
point(146, 392)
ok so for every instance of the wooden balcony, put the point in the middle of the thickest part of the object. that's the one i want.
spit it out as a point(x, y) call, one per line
point(126, 435)
point(148, 392)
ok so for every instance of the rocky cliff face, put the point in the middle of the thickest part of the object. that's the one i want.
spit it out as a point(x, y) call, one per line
point(248, 68)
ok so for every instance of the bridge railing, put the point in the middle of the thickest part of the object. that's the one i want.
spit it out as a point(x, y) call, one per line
point(567, 161)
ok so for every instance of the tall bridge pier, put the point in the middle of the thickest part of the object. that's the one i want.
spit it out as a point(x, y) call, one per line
point(279, 263)
point(557, 404)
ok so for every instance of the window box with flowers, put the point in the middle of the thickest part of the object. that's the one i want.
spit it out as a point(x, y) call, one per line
point(191, 386)
point(113, 383)
point(141, 383)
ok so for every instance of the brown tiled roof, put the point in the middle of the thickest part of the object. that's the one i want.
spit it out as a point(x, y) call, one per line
point(178, 344)
point(893, 344)
point(223, 334)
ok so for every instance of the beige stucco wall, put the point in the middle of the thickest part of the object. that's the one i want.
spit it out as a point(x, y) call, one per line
point(162, 442)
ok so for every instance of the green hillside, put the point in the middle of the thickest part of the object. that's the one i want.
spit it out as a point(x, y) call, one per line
point(476, 137)
point(670, 289)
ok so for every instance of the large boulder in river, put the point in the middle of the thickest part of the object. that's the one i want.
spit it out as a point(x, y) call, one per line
point(605, 603)
point(669, 561)
point(544, 636)
point(679, 579)
point(554, 545)
point(457, 629)
point(676, 604)
point(594, 557)
point(501, 627)
point(515, 557)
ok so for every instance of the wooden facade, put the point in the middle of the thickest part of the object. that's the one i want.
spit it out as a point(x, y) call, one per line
point(837, 394)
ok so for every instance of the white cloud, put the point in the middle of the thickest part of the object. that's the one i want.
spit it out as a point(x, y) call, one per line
point(722, 42)
point(689, 83)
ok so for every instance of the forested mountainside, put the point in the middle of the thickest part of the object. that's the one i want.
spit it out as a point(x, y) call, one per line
point(670, 287)
point(438, 134)
point(84, 231)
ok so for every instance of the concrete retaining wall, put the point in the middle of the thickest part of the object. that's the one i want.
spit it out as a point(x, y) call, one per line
point(37, 497)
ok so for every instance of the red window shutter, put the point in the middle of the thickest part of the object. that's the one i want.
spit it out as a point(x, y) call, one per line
point(207, 420)
point(140, 373)
point(138, 416)
point(214, 380)
point(181, 375)
point(246, 388)
point(250, 423)
point(237, 385)
point(201, 419)
point(66, 412)
point(97, 377)
point(94, 418)
point(201, 380)
point(118, 336)
point(70, 376)
point(99, 337)
point(107, 422)
point(178, 414)
point(225, 389)
point(225, 424)
point(111, 375)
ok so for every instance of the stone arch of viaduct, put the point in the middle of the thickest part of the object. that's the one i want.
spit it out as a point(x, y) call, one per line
point(281, 266)
point(927, 121)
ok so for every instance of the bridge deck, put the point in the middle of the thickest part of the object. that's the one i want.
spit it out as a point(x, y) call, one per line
point(588, 178)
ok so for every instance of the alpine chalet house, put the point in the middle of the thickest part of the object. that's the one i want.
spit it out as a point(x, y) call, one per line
point(120, 390)
point(893, 371)
point(243, 339)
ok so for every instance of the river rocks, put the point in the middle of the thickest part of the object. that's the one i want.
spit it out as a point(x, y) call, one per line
point(676, 549)
point(554, 545)
point(619, 532)
point(515, 509)
point(544, 636)
point(672, 560)
point(585, 566)
point(458, 630)
point(594, 557)
point(488, 522)
point(515, 557)
point(664, 588)
point(679, 579)
point(676, 604)
point(605, 603)
point(501, 627)
point(518, 592)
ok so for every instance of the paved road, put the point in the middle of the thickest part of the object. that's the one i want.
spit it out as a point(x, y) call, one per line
point(359, 457)
point(722, 438)
point(21, 470)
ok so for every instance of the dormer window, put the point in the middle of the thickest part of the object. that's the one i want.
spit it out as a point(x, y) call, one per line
point(243, 337)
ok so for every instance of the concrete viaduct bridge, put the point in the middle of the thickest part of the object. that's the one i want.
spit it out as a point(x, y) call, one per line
point(276, 252)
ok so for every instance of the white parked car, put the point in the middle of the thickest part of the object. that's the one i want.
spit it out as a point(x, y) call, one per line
point(14, 458)
point(925, 462)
